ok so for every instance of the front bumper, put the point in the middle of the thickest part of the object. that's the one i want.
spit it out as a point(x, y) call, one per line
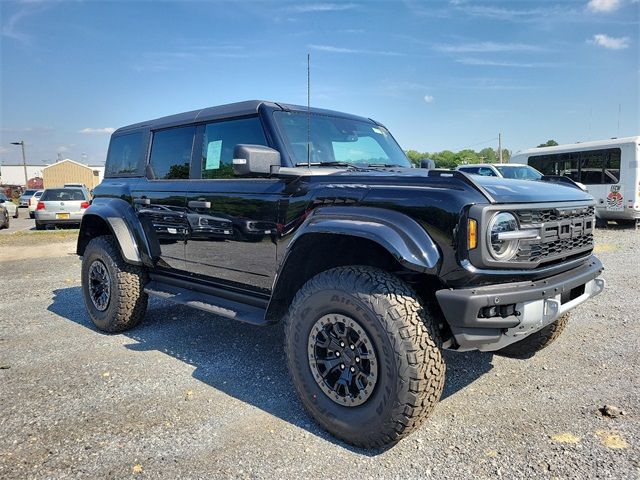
point(526, 306)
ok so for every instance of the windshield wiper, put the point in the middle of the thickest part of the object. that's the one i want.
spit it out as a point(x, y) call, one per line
point(326, 164)
point(384, 165)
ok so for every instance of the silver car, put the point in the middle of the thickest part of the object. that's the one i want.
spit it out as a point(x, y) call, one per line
point(61, 206)
point(11, 207)
point(26, 195)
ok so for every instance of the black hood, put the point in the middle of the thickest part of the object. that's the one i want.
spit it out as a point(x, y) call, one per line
point(505, 190)
point(501, 190)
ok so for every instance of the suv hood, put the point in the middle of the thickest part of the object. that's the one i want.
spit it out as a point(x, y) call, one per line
point(501, 190)
point(504, 190)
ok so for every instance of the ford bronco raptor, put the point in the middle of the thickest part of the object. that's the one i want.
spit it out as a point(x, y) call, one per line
point(265, 212)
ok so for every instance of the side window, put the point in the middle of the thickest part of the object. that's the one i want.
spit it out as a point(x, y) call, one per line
point(125, 154)
point(600, 166)
point(171, 152)
point(220, 139)
point(472, 170)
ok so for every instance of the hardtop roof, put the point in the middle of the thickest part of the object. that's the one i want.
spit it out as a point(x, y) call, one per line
point(229, 110)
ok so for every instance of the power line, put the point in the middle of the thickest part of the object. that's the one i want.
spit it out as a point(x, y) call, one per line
point(479, 143)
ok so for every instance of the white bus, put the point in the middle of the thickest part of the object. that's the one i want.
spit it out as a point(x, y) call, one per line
point(610, 169)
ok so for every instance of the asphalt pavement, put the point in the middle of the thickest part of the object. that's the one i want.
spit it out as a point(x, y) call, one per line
point(190, 395)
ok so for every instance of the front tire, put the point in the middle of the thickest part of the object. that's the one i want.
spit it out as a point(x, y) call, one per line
point(113, 290)
point(535, 342)
point(364, 311)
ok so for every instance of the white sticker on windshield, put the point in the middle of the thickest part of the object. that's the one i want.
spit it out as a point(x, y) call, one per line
point(214, 152)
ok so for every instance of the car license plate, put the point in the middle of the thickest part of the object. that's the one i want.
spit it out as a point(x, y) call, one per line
point(62, 216)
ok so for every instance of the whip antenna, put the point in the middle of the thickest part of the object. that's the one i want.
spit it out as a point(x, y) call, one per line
point(308, 110)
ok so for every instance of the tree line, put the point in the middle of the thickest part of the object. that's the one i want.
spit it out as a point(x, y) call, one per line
point(449, 159)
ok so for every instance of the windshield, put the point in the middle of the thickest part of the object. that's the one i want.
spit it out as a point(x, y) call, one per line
point(336, 139)
point(520, 172)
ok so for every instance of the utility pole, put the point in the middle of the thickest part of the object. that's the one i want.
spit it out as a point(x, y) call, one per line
point(24, 162)
point(500, 147)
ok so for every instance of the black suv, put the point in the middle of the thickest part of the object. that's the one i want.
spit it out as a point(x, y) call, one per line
point(265, 212)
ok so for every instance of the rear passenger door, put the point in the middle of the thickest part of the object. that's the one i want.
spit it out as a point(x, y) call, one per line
point(233, 220)
point(160, 201)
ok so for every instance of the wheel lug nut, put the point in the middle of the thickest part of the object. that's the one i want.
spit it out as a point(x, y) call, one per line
point(342, 366)
point(337, 354)
point(352, 369)
point(342, 344)
point(352, 347)
point(357, 359)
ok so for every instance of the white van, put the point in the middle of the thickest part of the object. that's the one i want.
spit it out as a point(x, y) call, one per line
point(610, 169)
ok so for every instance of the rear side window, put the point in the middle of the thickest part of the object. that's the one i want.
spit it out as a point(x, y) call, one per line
point(125, 154)
point(171, 153)
point(62, 194)
point(221, 138)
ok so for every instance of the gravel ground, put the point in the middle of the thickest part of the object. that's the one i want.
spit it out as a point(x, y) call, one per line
point(189, 395)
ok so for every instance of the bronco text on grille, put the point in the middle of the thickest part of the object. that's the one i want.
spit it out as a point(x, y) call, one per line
point(564, 232)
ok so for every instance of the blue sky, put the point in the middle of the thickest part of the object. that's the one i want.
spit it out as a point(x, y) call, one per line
point(439, 74)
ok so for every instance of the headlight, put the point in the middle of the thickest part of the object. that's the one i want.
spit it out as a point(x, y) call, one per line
point(503, 247)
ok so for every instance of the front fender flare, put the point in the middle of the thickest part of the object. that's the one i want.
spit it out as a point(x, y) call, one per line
point(400, 235)
point(123, 224)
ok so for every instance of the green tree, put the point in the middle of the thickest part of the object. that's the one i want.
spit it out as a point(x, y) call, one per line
point(488, 155)
point(550, 143)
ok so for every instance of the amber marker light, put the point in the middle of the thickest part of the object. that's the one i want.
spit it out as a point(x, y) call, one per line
point(472, 234)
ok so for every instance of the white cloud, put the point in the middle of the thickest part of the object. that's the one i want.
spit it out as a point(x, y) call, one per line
point(322, 7)
point(429, 98)
point(482, 47)
point(99, 131)
point(62, 149)
point(603, 5)
point(332, 49)
point(494, 63)
point(612, 43)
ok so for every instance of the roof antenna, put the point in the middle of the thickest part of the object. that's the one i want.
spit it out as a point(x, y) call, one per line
point(308, 110)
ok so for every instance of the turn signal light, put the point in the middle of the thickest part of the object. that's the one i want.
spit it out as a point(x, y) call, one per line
point(40, 206)
point(472, 234)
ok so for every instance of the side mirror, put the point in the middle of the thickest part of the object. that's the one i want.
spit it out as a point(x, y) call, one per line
point(254, 159)
point(428, 164)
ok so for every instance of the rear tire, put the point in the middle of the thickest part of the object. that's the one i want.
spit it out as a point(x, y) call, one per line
point(17, 213)
point(32, 215)
point(399, 333)
point(40, 226)
point(113, 290)
point(535, 342)
point(5, 223)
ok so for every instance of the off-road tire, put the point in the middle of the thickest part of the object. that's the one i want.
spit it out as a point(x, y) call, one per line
point(535, 342)
point(404, 335)
point(128, 301)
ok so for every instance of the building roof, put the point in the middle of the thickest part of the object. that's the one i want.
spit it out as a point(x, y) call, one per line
point(68, 160)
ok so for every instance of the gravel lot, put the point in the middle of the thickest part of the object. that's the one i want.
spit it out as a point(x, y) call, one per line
point(189, 395)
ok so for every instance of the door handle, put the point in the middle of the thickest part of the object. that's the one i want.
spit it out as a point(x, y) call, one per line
point(199, 204)
point(141, 201)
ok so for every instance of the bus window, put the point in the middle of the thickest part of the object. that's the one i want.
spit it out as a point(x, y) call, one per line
point(592, 167)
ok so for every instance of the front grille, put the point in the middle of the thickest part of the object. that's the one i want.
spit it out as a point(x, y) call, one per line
point(564, 232)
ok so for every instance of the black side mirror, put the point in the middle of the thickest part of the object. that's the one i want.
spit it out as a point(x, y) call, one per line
point(428, 164)
point(254, 159)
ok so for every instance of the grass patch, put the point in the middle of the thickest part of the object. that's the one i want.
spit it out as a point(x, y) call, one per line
point(38, 237)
